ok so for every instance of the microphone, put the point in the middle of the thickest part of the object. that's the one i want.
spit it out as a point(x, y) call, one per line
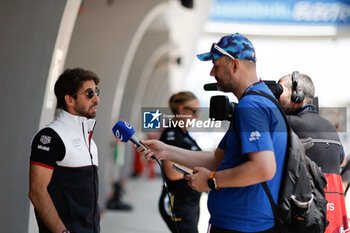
point(124, 132)
point(210, 87)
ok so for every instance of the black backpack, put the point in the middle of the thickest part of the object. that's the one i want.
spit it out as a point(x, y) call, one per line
point(301, 206)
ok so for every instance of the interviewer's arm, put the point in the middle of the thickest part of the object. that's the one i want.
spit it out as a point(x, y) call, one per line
point(188, 158)
point(260, 167)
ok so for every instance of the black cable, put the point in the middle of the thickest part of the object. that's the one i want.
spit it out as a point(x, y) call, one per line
point(167, 190)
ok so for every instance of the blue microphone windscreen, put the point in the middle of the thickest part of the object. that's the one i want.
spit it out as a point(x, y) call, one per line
point(123, 131)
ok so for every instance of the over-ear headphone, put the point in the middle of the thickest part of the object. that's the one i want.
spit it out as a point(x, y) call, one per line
point(297, 94)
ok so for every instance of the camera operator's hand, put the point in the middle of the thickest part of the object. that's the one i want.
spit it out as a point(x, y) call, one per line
point(199, 180)
point(154, 147)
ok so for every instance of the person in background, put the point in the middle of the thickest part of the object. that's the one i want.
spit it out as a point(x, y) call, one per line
point(63, 179)
point(251, 152)
point(327, 151)
point(116, 202)
point(184, 200)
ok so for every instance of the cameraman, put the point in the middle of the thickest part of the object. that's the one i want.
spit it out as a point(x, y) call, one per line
point(327, 152)
point(252, 151)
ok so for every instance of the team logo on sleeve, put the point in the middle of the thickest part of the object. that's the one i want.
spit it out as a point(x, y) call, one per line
point(255, 135)
point(44, 139)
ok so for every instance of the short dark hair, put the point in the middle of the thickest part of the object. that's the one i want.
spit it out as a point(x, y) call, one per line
point(70, 81)
point(304, 83)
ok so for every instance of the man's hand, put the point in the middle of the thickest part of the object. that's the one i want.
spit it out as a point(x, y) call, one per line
point(199, 180)
point(154, 147)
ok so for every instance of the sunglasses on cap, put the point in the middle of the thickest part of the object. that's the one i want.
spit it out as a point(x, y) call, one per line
point(221, 50)
point(89, 93)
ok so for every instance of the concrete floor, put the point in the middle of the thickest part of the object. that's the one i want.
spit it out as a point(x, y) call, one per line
point(143, 195)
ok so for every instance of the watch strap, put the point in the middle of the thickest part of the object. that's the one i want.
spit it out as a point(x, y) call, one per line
point(212, 182)
point(212, 174)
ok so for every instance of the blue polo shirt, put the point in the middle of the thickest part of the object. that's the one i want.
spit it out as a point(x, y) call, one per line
point(261, 127)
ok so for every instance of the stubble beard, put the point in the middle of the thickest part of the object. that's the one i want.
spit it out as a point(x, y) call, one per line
point(86, 113)
point(225, 87)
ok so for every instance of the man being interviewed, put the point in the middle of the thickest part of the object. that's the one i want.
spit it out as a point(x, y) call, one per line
point(63, 178)
point(252, 150)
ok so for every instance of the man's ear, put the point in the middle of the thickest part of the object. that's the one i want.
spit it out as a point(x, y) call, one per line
point(69, 100)
point(235, 65)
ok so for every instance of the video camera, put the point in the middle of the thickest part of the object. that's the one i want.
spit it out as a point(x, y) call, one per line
point(221, 108)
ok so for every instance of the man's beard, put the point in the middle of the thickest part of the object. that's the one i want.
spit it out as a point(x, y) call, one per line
point(225, 87)
point(225, 83)
point(85, 113)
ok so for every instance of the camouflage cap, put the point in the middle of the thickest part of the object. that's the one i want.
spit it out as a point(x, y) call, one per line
point(236, 45)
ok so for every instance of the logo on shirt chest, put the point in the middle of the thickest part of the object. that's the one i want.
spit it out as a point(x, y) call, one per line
point(76, 142)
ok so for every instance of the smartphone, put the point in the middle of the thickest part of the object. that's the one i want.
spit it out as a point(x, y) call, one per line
point(181, 169)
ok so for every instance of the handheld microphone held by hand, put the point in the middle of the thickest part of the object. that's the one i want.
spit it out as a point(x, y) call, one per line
point(124, 132)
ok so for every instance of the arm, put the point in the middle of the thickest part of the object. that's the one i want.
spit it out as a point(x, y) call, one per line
point(218, 157)
point(188, 158)
point(39, 179)
point(260, 167)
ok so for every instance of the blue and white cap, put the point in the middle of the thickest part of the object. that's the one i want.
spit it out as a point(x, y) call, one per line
point(235, 45)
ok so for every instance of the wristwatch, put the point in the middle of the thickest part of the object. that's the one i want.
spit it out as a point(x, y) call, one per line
point(212, 182)
point(66, 231)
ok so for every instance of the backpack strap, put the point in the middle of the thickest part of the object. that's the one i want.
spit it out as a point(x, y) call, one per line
point(269, 195)
point(262, 93)
point(264, 184)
